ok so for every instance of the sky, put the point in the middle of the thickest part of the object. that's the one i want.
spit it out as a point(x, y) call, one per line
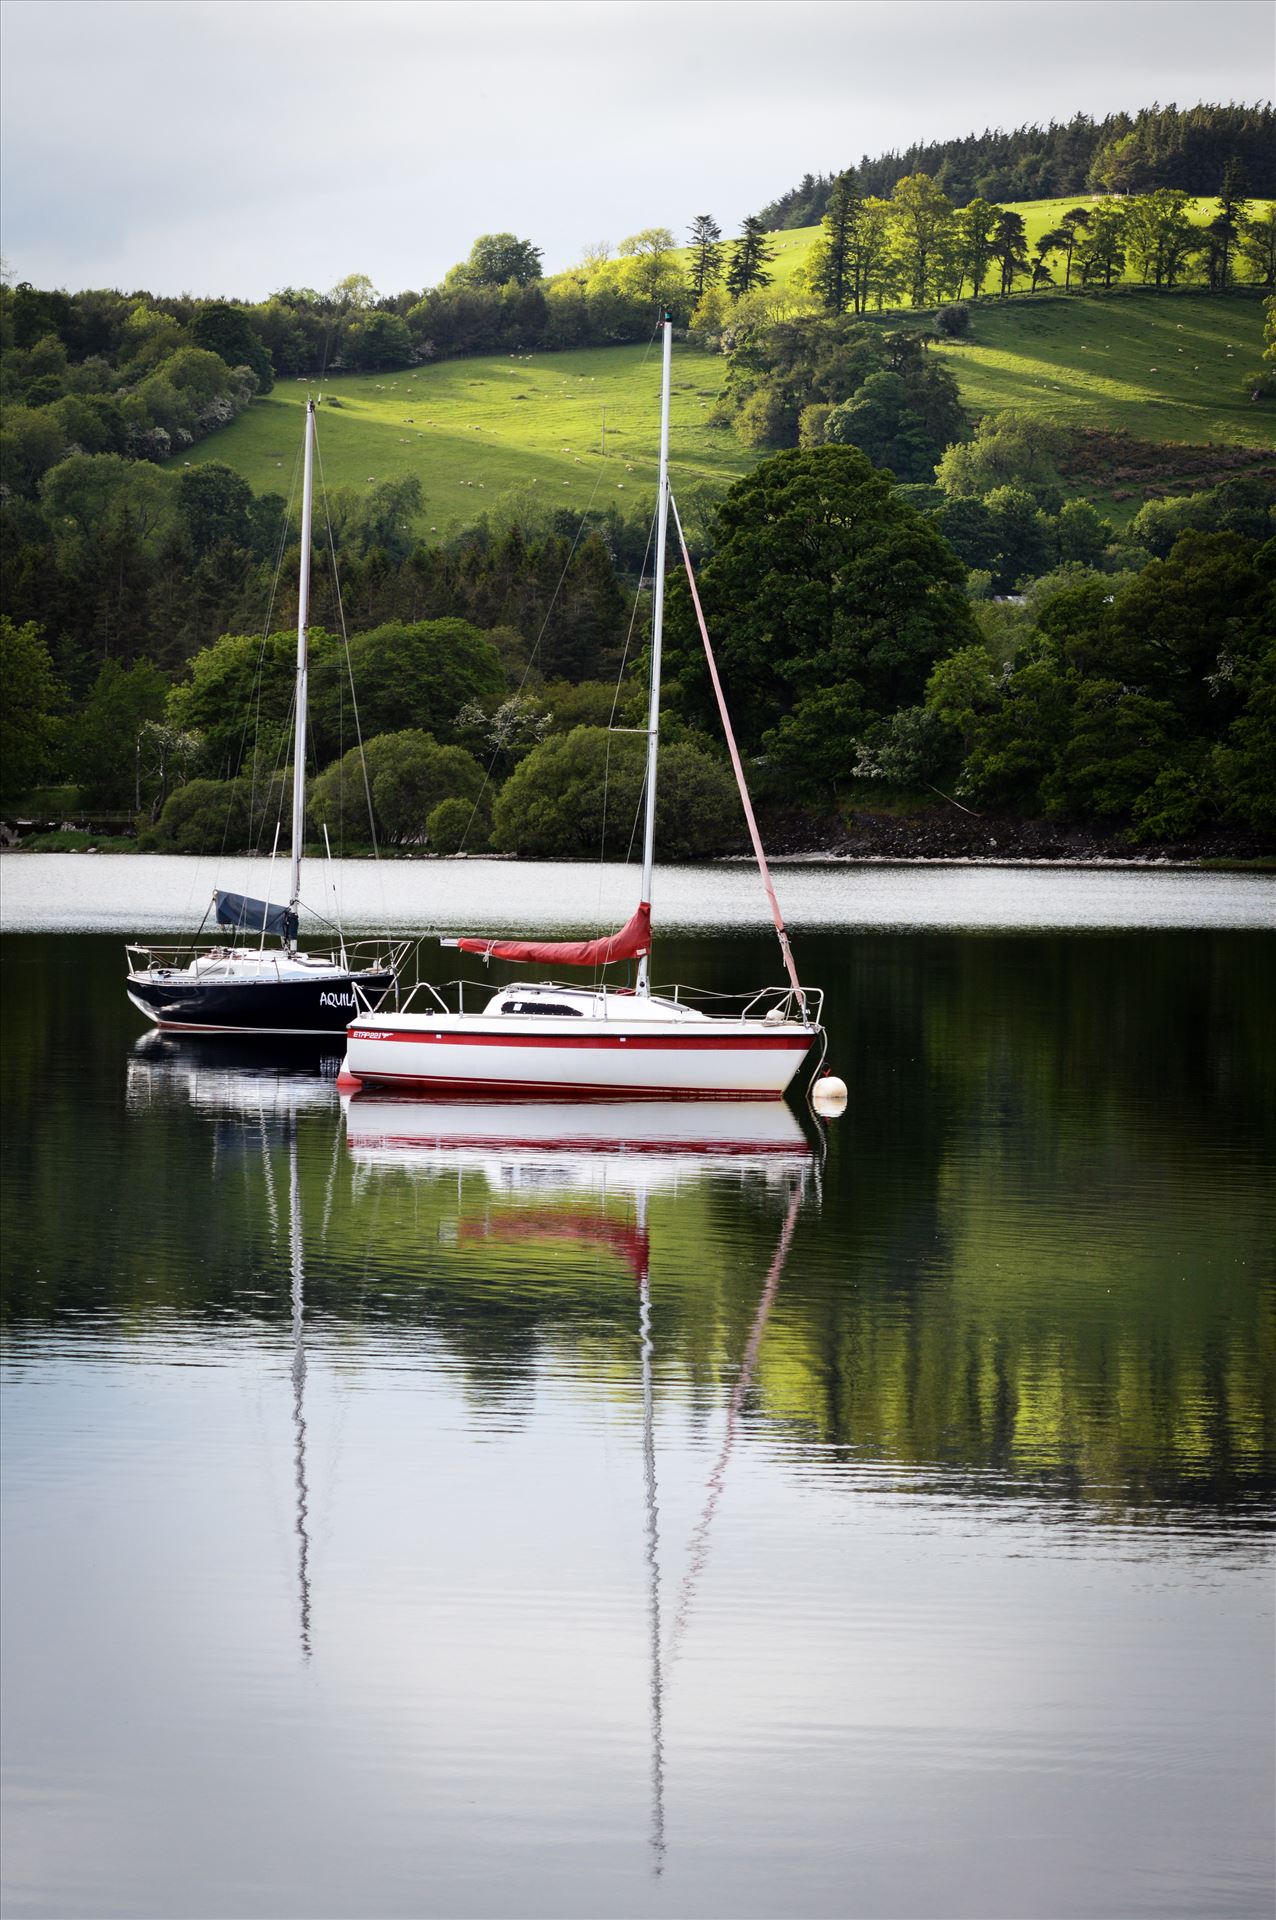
point(231, 147)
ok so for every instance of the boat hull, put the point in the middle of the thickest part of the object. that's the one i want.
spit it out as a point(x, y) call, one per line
point(735, 1060)
point(320, 1006)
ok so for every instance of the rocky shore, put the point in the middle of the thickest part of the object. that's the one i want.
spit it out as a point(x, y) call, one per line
point(947, 833)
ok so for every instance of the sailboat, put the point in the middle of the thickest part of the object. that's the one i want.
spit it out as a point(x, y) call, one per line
point(535, 1039)
point(252, 988)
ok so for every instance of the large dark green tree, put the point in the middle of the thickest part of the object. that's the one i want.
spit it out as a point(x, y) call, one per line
point(820, 579)
point(227, 331)
point(1010, 247)
point(832, 274)
point(496, 258)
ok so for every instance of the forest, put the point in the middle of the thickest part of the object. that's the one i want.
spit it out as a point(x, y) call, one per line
point(1158, 146)
point(965, 627)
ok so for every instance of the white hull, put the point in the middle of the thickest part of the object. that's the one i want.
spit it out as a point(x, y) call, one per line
point(614, 1058)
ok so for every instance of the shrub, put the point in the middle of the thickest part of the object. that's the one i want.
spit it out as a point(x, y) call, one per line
point(953, 320)
point(579, 792)
point(458, 826)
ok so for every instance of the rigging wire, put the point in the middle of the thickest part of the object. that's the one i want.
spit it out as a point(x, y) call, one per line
point(345, 642)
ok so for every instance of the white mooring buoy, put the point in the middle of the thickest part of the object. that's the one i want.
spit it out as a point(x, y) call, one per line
point(828, 1096)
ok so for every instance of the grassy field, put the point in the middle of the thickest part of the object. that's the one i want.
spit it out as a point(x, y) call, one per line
point(494, 434)
point(567, 429)
point(1159, 366)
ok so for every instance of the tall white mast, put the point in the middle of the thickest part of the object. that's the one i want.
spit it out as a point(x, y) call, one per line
point(303, 622)
point(657, 629)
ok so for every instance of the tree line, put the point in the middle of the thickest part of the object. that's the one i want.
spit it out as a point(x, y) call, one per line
point(1168, 146)
point(145, 378)
point(918, 247)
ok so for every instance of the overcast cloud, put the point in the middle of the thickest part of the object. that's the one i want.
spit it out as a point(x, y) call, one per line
point(236, 146)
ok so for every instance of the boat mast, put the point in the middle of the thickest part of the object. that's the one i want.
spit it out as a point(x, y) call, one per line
point(303, 622)
point(657, 628)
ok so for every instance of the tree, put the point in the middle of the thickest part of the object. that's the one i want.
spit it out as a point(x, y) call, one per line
point(1244, 765)
point(1160, 236)
point(1224, 229)
point(651, 256)
point(1023, 536)
point(975, 237)
point(352, 294)
point(227, 331)
point(374, 340)
point(1189, 628)
point(213, 502)
point(923, 220)
point(1258, 245)
point(33, 699)
point(238, 695)
point(1082, 532)
point(1118, 742)
point(818, 576)
point(1071, 227)
point(750, 255)
point(1010, 247)
point(1100, 254)
point(104, 736)
point(1015, 745)
point(408, 775)
point(706, 254)
point(868, 258)
point(1009, 449)
point(901, 420)
point(496, 258)
point(407, 675)
point(830, 268)
point(1054, 240)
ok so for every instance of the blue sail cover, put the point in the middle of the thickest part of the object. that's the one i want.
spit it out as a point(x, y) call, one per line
point(254, 916)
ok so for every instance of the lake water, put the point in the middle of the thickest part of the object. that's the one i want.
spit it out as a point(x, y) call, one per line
point(427, 1510)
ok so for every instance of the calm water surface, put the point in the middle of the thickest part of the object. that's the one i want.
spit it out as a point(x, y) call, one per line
point(426, 1510)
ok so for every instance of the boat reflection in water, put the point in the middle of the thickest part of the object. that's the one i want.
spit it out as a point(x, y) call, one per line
point(259, 1093)
point(554, 1167)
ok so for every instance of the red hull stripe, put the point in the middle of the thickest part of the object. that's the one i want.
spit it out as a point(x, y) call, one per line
point(576, 1143)
point(606, 1043)
point(558, 1089)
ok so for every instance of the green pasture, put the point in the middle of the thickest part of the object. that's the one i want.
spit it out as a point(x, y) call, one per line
point(580, 429)
point(1158, 366)
point(567, 429)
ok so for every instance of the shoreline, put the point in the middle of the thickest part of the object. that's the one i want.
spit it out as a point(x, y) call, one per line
point(1258, 862)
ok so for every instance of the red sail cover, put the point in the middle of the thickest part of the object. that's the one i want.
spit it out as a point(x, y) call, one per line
point(631, 943)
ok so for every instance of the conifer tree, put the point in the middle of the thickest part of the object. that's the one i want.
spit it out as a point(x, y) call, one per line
point(1224, 229)
point(1010, 247)
point(750, 256)
point(831, 270)
point(706, 253)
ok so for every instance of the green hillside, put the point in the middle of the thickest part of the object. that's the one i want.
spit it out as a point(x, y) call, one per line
point(1159, 366)
point(486, 434)
point(569, 429)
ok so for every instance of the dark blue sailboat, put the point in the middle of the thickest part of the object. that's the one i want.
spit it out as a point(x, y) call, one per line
point(283, 989)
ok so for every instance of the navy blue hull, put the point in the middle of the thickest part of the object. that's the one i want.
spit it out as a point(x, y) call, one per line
point(271, 1006)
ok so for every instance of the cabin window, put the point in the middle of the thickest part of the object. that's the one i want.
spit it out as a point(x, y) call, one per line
point(540, 1006)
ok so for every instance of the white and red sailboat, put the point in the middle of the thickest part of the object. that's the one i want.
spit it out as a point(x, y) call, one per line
point(538, 1039)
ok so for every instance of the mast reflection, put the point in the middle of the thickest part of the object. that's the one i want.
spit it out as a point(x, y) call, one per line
point(564, 1165)
point(259, 1092)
